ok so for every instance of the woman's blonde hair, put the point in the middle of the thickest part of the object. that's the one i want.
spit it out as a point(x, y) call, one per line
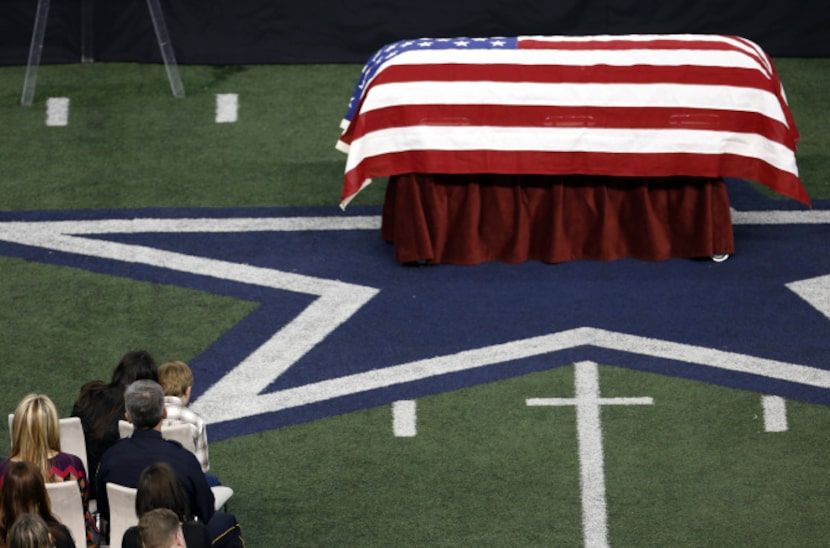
point(36, 432)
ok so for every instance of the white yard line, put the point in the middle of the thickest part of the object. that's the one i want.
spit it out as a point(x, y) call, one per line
point(57, 111)
point(775, 413)
point(404, 418)
point(227, 108)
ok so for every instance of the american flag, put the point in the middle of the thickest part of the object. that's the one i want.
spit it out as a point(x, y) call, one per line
point(627, 105)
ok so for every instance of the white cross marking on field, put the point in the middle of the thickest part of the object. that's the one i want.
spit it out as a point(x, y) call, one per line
point(589, 432)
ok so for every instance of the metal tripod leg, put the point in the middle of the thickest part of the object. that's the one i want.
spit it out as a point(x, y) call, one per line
point(35, 50)
point(87, 55)
point(166, 48)
point(87, 31)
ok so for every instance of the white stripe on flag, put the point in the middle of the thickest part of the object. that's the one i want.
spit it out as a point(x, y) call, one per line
point(564, 139)
point(730, 98)
point(227, 108)
point(621, 58)
point(57, 111)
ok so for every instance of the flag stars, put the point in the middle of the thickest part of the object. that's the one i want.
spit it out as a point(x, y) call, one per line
point(462, 43)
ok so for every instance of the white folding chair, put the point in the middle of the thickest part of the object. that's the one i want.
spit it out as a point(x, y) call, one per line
point(182, 433)
point(72, 438)
point(221, 495)
point(122, 511)
point(68, 507)
point(125, 429)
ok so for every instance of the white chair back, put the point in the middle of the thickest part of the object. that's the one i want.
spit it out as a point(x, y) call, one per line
point(72, 438)
point(182, 433)
point(221, 495)
point(122, 511)
point(68, 507)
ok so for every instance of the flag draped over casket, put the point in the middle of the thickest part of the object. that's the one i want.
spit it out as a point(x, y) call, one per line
point(633, 105)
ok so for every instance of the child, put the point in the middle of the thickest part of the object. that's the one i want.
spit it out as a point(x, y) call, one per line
point(176, 379)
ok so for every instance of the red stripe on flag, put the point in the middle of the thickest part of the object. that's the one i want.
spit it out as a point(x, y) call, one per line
point(530, 42)
point(598, 74)
point(579, 116)
point(727, 43)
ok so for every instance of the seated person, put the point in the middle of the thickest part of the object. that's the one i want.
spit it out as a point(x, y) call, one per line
point(24, 492)
point(100, 406)
point(176, 379)
point(160, 528)
point(36, 439)
point(29, 531)
point(158, 487)
point(124, 462)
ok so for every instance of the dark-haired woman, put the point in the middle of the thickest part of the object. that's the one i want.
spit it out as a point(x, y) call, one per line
point(24, 492)
point(100, 406)
point(158, 487)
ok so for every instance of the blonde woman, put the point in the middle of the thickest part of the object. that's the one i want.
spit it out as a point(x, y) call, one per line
point(36, 439)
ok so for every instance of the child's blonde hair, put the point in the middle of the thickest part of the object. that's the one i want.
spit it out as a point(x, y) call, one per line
point(175, 378)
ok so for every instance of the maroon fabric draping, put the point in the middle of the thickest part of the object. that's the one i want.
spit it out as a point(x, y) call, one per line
point(470, 219)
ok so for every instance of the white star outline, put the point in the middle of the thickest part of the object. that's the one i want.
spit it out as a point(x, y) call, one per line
point(240, 393)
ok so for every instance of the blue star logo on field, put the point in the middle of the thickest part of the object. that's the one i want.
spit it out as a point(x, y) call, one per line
point(341, 326)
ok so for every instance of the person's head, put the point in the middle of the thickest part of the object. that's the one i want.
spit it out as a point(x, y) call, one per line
point(23, 492)
point(29, 531)
point(144, 402)
point(176, 379)
point(35, 431)
point(134, 365)
point(160, 528)
point(158, 487)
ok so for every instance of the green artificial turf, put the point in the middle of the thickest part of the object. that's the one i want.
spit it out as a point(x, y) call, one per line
point(694, 469)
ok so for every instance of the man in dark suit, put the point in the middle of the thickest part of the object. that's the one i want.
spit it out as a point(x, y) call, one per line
point(123, 462)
